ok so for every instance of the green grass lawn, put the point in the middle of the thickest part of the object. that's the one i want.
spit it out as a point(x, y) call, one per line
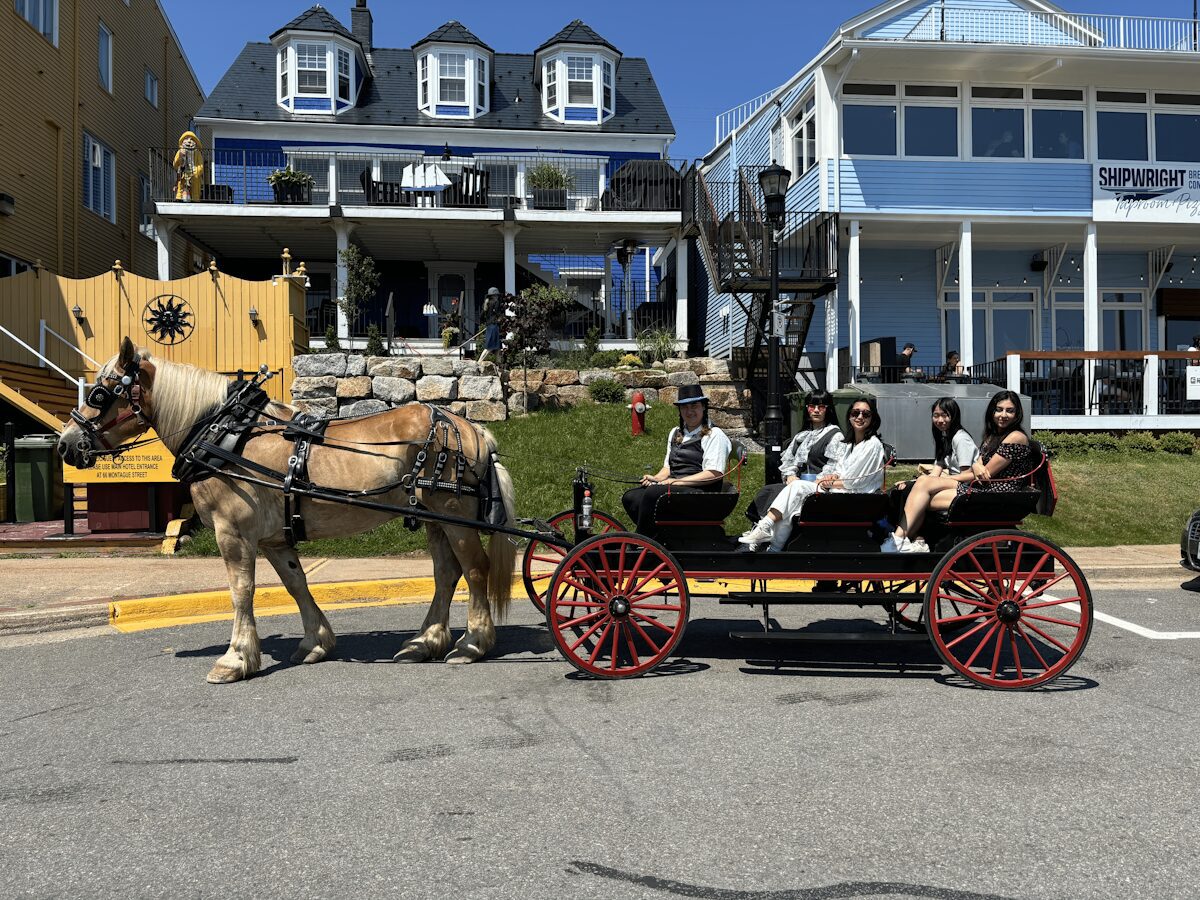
point(1104, 499)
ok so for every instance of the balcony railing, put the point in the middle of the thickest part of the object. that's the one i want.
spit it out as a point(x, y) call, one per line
point(982, 25)
point(398, 179)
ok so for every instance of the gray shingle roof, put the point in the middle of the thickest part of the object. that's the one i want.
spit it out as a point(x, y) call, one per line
point(577, 33)
point(316, 18)
point(247, 92)
point(451, 33)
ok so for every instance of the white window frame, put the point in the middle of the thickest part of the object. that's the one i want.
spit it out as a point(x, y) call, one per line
point(283, 84)
point(99, 157)
point(1141, 305)
point(341, 54)
point(1143, 108)
point(26, 10)
point(145, 217)
point(1168, 109)
point(972, 103)
point(304, 55)
point(892, 102)
point(906, 102)
point(446, 58)
point(151, 88)
point(104, 47)
point(550, 92)
point(481, 84)
point(1033, 307)
point(556, 86)
point(590, 63)
point(608, 91)
point(475, 80)
point(801, 161)
point(423, 78)
point(1080, 106)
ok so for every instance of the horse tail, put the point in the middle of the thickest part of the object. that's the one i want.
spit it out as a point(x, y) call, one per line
point(502, 551)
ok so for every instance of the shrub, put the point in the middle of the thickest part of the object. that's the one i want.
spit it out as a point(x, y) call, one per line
point(656, 344)
point(1177, 442)
point(331, 339)
point(605, 359)
point(630, 359)
point(548, 176)
point(529, 317)
point(1099, 442)
point(375, 342)
point(1139, 442)
point(605, 390)
point(591, 342)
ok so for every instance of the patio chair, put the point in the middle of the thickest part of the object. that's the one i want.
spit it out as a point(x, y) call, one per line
point(383, 193)
point(468, 188)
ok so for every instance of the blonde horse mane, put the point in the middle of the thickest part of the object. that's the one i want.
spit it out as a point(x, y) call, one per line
point(182, 394)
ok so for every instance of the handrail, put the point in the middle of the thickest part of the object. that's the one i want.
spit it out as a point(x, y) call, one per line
point(1105, 354)
point(68, 344)
point(67, 375)
point(731, 119)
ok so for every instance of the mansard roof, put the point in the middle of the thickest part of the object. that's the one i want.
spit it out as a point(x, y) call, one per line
point(247, 92)
point(577, 33)
point(316, 18)
point(452, 33)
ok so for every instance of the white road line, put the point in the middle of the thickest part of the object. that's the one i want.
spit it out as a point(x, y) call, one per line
point(1139, 630)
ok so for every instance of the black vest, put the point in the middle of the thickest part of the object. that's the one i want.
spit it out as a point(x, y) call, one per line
point(686, 458)
point(817, 455)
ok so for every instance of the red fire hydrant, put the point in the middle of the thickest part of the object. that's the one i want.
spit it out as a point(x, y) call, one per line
point(639, 407)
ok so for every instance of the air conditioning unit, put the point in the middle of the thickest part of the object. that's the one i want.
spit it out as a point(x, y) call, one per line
point(97, 156)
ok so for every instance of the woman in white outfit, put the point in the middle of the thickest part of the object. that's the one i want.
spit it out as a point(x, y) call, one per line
point(807, 453)
point(857, 469)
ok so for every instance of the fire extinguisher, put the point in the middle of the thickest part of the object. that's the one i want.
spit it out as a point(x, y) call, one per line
point(638, 407)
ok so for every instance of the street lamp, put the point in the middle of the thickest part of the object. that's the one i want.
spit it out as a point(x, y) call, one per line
point(625, 257)
point(773, 180)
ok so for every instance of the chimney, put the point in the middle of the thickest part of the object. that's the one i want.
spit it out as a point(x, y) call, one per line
point(360, 24)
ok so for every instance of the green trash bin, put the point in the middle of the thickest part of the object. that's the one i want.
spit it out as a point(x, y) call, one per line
point(39, 478)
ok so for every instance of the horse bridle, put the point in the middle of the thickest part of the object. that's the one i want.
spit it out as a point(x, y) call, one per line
point(101, 398)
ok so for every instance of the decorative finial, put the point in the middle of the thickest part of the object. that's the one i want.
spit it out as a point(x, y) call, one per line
point(286, 256)
point(117, 270)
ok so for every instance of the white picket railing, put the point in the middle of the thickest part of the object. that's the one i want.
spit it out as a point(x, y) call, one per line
point(729, 120)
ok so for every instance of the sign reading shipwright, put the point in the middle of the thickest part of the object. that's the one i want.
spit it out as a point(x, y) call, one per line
point(1125, 192)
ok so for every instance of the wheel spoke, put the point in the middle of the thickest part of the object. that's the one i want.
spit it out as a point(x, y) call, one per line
point(582, 587)
point(967, 618)
point(587, 634)
point(961, 580)
point(541, 576)
point(996, 655)
point(600, 643)
point(982, 644)
point(549, 559)
point(1051, 620)
point(637, 587)
point(579, 561)
point(950, 598)
point(1012, 640)
point(637, 567)
point(986, 578)
point(645, 637)
point(961, 637)
point(629, 644)
point(1034, 573)
point(1016, 570)
point(1045, 587)
point(659, 607)
point(1059, 602)
point(999, 570)
point(650, 620)
point(616, 633)
point(664, 589)
point(1032, 646)
point(1054, 641)
point(583, 604)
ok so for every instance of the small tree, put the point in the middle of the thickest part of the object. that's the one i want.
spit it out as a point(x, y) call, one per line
point(591, 341)
point(374, 342)
point(531, 316)
point(331, 339)
point(362, 281)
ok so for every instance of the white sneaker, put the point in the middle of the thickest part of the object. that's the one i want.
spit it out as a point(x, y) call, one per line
point(760, 533)
point(889, 546)
point(918, 545)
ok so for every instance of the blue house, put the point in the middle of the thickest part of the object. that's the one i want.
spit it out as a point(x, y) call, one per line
point(456, 166)
point(1003, 179)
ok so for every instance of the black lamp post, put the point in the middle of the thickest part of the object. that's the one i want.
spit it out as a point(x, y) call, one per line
point(773, 180)
point(625, 258)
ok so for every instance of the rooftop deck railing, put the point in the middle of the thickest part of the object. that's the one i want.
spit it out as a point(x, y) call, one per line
point(983, 25)
point(411, 179)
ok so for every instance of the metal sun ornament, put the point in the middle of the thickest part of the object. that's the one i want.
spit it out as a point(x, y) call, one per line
point(168, 319)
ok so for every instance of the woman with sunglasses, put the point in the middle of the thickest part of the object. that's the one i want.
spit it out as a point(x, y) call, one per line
point(1005, 452)
point(806, 455)
point(857, 469)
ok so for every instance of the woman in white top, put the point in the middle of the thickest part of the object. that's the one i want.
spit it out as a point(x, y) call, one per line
point(805, 457)
point(696, 456)
point(858, 469)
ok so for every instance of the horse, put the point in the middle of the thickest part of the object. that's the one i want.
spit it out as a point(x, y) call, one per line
point(136, 392)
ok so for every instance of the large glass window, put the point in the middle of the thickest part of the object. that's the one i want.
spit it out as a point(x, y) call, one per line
point(105, 57)
point(99, 178)
point(930, 131)
point(283, 73)
point(1067, 320)
point(979, 326)
point(481, 83)
point(1058, 133)
point(606, 70)
point(579, 80)
point(311, 73)
point(1121, 135)
point(452, 77)
point(1004, 320)
point(1122, 320)
point(42, 15)
point(804, 140)
point(1176, 137)
point(997, 132)
point(551, 84)
point(424, 78)
point(868, 130)
point(343, 66)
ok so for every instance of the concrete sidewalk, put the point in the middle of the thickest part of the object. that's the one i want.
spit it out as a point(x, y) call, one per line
point(46, 593)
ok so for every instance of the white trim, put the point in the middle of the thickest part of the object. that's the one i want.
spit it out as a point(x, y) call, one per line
point(429, 73)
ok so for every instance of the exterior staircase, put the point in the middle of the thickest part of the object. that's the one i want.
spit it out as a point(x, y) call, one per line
point(39, 393)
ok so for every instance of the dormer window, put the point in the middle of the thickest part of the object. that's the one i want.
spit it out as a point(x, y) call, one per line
point(318, 76)
point(588, 81)
point(453, 81)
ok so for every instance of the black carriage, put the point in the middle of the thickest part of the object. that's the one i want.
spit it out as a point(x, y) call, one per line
point(1004, 608)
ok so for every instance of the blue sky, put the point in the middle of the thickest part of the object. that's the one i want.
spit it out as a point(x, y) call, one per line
point(706, 56)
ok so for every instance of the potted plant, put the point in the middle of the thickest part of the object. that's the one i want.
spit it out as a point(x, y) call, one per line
point(291, 185)
point(549, 185)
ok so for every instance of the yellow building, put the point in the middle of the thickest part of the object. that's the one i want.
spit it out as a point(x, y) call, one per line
point(89, 86)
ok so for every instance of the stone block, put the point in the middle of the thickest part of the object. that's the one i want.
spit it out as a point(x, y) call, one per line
point(677, 365)
point(486, 411)
point(561, 376)
point(323, 407)
point(573, 395)
point(519, 376)
point(714, 366)
point(362, 408)
point(312, 365)
point(590, 376)
point(466, 367)
point(651, 395)
point(520, 403)
point(354, 388)
point(355, 365)
point(309, 387)
point(437, 389)
point(458, 407)
point(439, 365)
point(724, 419)
point(684, 376)
point(480, 387)
point(668, 394)
point(394, 367)
point(642, 378)
point(393, 390)
point(725, 397)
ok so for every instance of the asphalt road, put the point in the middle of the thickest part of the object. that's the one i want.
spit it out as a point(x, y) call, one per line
point(819, 774)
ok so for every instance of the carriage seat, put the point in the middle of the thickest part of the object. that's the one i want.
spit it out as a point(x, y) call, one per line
point(991, 508)
point(844, 522)
point(696, 519)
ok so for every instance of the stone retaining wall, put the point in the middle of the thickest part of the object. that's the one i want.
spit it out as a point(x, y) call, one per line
point(340, 384)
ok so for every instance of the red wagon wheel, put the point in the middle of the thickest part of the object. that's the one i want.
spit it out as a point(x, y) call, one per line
point(617, 605)
point(908, 609)
point(549, 556)
point(1008, 610)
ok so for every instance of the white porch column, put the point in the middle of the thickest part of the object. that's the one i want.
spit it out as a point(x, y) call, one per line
point(333, 180)
point(966, 297)
point(1150, 385)
point(682, 251)
point(854, 295)
point(831, 340)
point(1091, 314)
point(342, 229)
point(163, 229)
point(509, 231)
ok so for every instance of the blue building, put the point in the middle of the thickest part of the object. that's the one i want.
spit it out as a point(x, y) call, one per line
point(1001, 178)
point(454, 165)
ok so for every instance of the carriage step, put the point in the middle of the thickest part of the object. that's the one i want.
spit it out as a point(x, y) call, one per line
point(832, 637)
point(814, 598)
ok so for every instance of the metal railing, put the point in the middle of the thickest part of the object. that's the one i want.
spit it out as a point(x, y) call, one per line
point(500, 181)
point(981, 25)
point(729, 120)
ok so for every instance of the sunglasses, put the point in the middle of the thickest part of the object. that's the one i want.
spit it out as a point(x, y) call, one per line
point(860, 414)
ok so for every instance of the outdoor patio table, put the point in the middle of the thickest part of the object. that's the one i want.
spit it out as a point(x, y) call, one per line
point(425, 181)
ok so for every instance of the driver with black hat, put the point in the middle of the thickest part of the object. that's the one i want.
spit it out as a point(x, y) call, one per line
point(696, 456)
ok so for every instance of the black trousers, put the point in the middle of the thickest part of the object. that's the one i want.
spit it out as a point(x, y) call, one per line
point(639, 503)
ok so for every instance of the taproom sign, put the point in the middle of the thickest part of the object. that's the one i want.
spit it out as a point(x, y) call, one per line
point(1130, 192)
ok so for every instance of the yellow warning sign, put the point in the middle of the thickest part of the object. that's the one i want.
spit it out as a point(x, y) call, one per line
point(144, 465)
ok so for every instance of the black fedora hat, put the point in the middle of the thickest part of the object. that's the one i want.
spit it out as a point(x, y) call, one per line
point(691, 393)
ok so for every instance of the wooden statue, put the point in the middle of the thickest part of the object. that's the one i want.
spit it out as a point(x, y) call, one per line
point(189, 167)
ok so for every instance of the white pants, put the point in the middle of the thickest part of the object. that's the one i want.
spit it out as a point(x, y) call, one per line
point(788, 504)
